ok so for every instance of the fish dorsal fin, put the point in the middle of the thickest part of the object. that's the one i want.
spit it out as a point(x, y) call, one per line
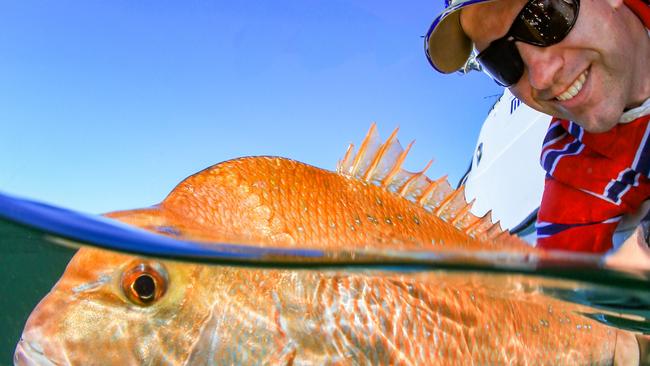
point(381, 164)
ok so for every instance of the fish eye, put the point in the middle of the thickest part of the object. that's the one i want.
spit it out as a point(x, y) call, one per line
point(144, 283)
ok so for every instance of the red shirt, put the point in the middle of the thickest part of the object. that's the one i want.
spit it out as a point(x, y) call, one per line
point(592, 180)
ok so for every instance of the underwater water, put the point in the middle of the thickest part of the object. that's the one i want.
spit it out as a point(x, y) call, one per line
point(29, 267)
point(32, 261)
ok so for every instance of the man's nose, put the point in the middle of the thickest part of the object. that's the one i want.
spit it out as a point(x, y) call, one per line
point(542, 63)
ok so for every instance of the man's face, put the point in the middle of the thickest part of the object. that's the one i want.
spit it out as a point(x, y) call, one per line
point(597, 71)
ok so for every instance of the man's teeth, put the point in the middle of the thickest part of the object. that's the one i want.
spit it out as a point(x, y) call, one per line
point(574, 89)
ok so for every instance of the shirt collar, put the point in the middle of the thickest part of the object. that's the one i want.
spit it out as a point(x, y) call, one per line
point(634, 113)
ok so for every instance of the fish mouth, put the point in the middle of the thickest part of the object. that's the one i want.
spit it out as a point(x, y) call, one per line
point(30, 353)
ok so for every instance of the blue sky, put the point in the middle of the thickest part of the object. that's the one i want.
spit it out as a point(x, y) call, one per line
point(107, 105)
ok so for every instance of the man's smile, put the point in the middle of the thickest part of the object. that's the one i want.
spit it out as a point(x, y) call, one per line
point(573, 89)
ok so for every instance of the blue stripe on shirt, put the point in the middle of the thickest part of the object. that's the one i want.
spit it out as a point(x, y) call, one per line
point(546, 229)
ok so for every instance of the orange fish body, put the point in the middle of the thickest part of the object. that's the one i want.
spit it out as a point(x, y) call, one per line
point(111, 308)
point(281, 202)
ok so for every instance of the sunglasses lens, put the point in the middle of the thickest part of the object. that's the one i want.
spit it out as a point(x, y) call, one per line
point(545, 22)
point(502, 62)
point(541, 23)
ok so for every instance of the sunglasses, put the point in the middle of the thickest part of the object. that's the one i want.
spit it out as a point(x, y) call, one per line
point(540, 23)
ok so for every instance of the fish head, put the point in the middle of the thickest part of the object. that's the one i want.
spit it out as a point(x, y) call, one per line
point(116, 308)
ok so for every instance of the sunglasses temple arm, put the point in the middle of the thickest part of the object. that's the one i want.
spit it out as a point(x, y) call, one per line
point(470, 65)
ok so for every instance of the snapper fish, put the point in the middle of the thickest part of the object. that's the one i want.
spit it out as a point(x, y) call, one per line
point(111, 308)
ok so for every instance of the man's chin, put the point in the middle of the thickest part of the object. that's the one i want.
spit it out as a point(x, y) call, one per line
point(598, 126)
point(591, 124)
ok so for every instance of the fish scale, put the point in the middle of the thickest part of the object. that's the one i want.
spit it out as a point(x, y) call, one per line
point(210, 315)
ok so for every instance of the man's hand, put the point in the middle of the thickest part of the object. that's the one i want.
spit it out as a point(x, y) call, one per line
point(633, 254)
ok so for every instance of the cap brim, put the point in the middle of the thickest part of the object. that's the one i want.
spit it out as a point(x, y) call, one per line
point(446, 45)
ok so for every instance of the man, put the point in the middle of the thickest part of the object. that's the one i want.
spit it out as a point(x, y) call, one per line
point(586, 62)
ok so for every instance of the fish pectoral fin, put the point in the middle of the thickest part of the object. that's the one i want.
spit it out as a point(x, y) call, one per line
point(627, 350)
point(643, 344)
